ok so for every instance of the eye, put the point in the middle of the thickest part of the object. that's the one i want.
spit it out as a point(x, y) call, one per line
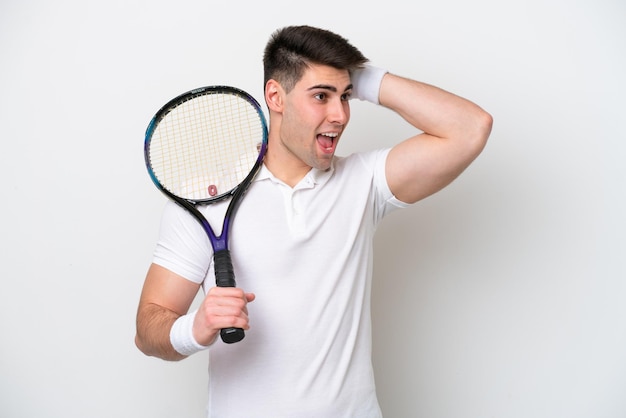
point(320, 96)
point(346, 96)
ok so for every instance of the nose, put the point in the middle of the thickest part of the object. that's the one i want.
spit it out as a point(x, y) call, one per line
point(339, 112)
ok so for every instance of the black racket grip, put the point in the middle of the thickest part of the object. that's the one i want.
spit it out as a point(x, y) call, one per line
point(225, 277)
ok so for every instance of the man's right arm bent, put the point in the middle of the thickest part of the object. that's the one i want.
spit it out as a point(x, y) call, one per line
point(166, 296)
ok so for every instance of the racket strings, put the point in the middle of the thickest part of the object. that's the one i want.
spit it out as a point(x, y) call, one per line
point(206, 146)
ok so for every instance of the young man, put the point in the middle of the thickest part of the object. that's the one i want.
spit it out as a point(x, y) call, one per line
point(302, 239)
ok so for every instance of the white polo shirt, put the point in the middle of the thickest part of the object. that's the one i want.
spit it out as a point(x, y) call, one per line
point(306, 252)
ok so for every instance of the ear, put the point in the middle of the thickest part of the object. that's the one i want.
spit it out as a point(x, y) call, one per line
point(274, 96)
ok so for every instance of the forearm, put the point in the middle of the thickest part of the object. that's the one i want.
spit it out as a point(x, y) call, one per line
point(153, 332)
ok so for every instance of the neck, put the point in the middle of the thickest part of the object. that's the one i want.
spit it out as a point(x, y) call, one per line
point(286, 168)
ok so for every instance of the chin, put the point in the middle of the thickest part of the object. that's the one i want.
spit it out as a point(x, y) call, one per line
point(324, 165)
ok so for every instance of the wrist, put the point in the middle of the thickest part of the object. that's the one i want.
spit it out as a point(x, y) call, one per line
point(366, 83)
point(181, 336)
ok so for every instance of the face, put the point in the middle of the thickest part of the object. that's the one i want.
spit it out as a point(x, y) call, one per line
point(313, 117)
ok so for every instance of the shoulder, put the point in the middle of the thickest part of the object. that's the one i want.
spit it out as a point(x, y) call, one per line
point(365, 160)
point(366, 169)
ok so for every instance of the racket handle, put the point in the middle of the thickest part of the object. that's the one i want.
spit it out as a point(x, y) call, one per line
point(224, 273)
point(225, 277)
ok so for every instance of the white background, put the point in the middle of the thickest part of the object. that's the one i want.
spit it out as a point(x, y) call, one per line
point(502, 296)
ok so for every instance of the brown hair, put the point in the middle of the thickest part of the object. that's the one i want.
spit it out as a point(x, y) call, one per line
point(293, 48)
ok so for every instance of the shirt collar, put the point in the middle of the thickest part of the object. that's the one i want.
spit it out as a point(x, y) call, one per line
point(313, 177)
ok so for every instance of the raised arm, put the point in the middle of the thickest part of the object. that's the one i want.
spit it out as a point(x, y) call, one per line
point(454, 131)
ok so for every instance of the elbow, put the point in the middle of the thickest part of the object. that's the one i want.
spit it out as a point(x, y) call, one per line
point(140, 345)
point(143, 343)
point(485, 124)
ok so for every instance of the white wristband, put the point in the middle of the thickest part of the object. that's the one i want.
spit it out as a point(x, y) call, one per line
point(181, 336)
point(366, 83)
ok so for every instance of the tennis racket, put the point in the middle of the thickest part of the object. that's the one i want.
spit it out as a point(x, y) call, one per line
point(202, 147)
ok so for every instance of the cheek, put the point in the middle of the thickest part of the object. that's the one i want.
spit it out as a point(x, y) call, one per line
point(289, 127)
point(298, 125)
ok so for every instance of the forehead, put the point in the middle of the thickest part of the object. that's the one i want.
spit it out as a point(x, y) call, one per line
point(323, 75)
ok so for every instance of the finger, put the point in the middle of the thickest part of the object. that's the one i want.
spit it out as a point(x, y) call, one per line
point(226, 291)
point(216, 317)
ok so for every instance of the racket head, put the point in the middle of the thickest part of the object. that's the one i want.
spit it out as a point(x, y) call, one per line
point(203, 144)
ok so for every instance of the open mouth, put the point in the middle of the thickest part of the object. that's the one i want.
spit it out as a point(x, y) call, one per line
point(327, 141)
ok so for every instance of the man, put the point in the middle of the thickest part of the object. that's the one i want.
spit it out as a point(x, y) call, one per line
point(302, 239)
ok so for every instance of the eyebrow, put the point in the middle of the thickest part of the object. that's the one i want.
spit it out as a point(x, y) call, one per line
point(328, 87)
